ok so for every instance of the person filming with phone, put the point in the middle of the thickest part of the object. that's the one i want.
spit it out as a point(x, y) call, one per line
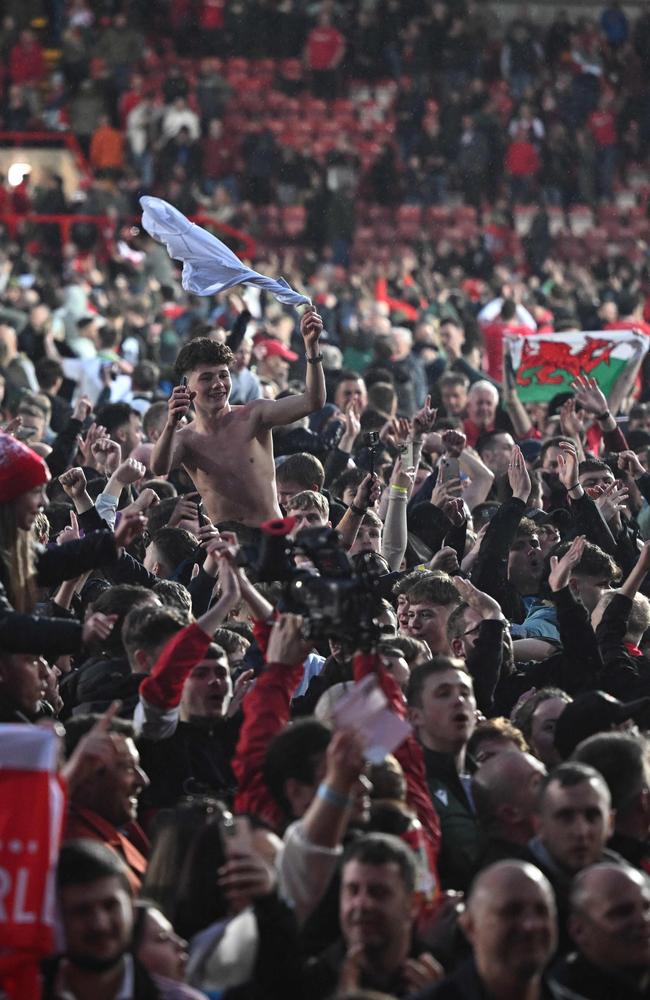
point(228, 450)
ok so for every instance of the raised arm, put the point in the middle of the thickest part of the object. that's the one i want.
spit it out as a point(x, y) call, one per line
point(277, 412)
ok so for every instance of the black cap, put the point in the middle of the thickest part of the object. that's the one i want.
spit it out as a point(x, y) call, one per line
point(595, 712)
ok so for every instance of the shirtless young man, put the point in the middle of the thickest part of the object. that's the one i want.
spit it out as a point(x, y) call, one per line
point(228, 450)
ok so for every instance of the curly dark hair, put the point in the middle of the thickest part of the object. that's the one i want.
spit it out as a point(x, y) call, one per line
point(201, 351)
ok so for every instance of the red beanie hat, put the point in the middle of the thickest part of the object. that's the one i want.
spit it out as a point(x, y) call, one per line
point(21, 469)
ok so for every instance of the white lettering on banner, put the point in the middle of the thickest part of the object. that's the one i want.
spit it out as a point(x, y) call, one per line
point(19, 915)
point(5, 886)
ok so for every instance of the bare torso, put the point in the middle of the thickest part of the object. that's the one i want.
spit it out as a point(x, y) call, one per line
point(231, 464)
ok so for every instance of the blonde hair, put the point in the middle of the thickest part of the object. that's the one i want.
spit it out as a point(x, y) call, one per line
point(17, 552)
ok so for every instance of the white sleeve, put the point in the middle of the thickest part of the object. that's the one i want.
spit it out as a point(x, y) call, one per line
point(153, 723)
point(304, 871)
point(73, 368)
point(106, 506)
point(525, 317)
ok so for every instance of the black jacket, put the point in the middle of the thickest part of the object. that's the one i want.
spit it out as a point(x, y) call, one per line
point(460, 844)
point(194, 760)
point(465, 984)
point(623, 675)
point(25, 633)
point(490, 572)
point(579, 979)
point(144, 987)
point(322, 975)
point(575, 668)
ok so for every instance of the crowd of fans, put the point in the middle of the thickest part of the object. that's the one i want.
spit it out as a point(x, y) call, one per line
point(293, 120)
point(408, 756)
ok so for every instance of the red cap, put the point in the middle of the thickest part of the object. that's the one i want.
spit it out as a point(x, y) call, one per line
point(274, 349)
point(21, 469)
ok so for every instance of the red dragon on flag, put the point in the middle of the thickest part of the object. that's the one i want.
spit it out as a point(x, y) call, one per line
point(541, 365)
point(551, 364)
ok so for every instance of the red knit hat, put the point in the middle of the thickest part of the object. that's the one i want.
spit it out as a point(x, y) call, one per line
point(21, 469)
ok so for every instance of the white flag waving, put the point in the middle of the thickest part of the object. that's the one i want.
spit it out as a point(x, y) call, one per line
point(208, 265)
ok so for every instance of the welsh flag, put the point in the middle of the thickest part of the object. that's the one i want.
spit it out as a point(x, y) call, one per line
point(543, 365)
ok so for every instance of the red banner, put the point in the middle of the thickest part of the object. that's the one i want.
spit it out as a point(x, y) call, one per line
point(31, 823)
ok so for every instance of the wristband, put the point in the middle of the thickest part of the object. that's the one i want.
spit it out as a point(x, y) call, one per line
point(359, 511)
point(603, 416)
point(574, 487)
point(399, 489)
point(334, 798)
point(315, 361)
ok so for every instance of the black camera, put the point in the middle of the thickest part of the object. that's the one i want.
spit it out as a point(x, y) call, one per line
point(338, 601)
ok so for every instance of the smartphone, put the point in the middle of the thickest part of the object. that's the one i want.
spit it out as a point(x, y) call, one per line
point(448, 468)
point(184, 386)
point(202, 518)
point(236, 835)
point(371, 441)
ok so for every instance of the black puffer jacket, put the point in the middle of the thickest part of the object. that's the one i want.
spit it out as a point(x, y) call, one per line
point(25, 633)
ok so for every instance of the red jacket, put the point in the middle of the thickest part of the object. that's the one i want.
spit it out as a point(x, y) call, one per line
point(493, 335)
point(84, 824)
point(409, 755)
point(522, 159)
point(26, 63)
point(164, 685)
point(267, 710)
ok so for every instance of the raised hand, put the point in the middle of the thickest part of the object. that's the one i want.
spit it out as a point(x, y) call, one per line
point(518, 476)
point(590, 396)
point(242, 686)
point(443, 491)
point(148, 498)
point(402, 476)
point(424, 419)
point(130, 527)
point(477, 599)
point(571, 422)
point(344, 761)
point(245, 878)
point(612, 500)
point(107, 455)
point(207, 533)
point(286, 643)
point(352, 428)
point(185, 510)
point(71, 531)
point(178, 404)
point(130, 471)
point(228, 581)
point(93, 751)
point(628, 461)
point(93, 434)
point(311, 327)
point(446, 560)
point(454, 510)
point(82, 409)
point(74, 482)
point(395, 432)
point(97, 627)
point(568, 466)
point(561, 569)
point(368, 492)
point(453, 442)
